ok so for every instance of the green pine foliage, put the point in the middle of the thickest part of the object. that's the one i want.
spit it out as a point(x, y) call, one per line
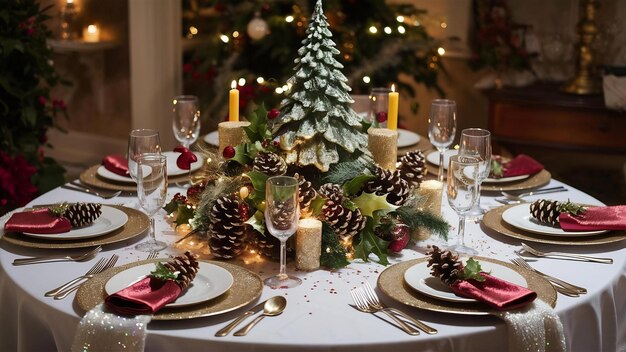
point(316, 121)
point(416, 219)
point(333, 254)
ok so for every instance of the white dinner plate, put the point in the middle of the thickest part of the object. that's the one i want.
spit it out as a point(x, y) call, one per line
point(172, 168)
point(407, 138)
point(419, 278)
point(210, 282)
point(433, 157)
point(519, 216)
point(110, 220)
point(505, 179)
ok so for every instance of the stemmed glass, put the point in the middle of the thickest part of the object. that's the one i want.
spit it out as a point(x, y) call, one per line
point(281, 219)
point(379, 100)
point(442, 128)
point(476, 142)
point(140, 142)
point(152, 191)
point(462, 191)
point(186, 121)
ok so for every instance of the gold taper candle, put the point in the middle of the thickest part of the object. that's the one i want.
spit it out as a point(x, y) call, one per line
point(231, 133)
point(383, 144)
point(233, 103)
point(308, 244)
point(392, 109)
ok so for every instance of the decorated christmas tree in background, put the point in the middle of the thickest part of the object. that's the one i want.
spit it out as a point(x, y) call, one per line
point(317, 125)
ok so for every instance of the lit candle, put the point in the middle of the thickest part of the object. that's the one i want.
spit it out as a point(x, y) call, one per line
point(91, 33)
point(392, 110)
point(233, 103)
point(308, 244)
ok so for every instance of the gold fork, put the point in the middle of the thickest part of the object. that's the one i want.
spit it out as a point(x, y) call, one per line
point(94, 269)
point(63, 293)
point(361, 303)
point(561, 286)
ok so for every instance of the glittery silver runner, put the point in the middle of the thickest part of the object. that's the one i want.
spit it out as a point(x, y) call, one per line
point(534, 328)
point(102, 331)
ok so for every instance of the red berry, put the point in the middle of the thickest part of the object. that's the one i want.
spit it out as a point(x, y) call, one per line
point(228, 152)
point(381, 116)
point(401, 237)
point(272, 114)
point(244, 210)
point(276, 144)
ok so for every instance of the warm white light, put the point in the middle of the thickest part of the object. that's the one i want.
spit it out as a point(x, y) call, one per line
point(401, 29)
point(193, 30)
point(242, 82)
point(444, 25)
point(393, 87)
point(400, 19)
point(289, 19)
point(366, 79)
point(260, 80)
point(92, 28)
point(388, 30)
point(373, 30)
point(233, 84)
point(224, 38)
point(285, 88)
point(441, 51)
point(70, 2)
point(235, 34)
point(279, 90)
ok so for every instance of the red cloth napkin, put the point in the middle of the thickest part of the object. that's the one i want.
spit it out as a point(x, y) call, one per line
point(40, 221)
point(499, 294)
point(595, 218)
point(522, 165)
point(144, 297)
point(116, 164)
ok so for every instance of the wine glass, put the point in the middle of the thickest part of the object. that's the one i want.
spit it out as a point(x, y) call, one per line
point(462, 191)
point(152, 191)
point(281, 219)
point(141, 141)
point(186, 121)
point(379, 101)
point(476, 142)
point(442, 127)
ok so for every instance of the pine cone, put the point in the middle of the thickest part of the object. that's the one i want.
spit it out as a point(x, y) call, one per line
point(444, 265)
point(390, 183)
point(83, 214)
point(413, 167)
point(332, 192)
point(345, 222)
point(226, 228)
point(269, 245)
point(270, 164)
point(187, 268)
point(548, 212)
point(306, 193)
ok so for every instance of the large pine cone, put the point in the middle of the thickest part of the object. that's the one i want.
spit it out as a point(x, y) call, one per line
point(306, 193)
point(227, 228)
point(187, 267)
point(345, 222)
point(390, 183)
point(546, 211)
point(413, 167)
point(332, 192)
point(83, 214)
point(444, 265)
point(270, 164)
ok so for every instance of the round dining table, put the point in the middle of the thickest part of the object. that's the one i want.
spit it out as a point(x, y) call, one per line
point(319, 315)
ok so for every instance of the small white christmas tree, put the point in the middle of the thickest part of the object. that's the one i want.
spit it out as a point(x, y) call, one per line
point(317, 125)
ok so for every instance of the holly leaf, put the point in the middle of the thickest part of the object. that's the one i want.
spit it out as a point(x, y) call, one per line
point(472, 270)
point(316, 205)
point(257, 221)
point(497, 170)
point(258, 183)
point(371, 202)
point(355, 185)
point(161, 272)
point(257, 130)
point(370, 243)
point(172, 206)
point(242, 154)
point(184, 214)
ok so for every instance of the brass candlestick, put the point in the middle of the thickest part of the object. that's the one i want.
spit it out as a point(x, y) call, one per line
point(586, 81)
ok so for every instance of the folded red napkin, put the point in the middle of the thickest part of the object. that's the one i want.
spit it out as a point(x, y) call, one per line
point(40, 221)
point(595, 218)
point(498, 293)
point(144, 297)
point(186, 158)
point(522, 165)
point(116, 164)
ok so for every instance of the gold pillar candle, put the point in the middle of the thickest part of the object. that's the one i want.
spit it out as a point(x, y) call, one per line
point(308, 244)
point(231, 133)
point(430, 193)
point(383, 144)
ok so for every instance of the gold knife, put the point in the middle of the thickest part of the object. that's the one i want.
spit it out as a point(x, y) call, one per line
point(228, 328)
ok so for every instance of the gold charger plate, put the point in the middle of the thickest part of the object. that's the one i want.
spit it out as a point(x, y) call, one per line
point(246, 288)
point(136, 225)
point(91, 178)
point(493, 220)
point(391, 282)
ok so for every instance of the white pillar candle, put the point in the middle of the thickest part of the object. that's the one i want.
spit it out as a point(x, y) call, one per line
point(308, 244)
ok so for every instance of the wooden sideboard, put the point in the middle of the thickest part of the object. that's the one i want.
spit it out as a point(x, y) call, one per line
point(540, 115)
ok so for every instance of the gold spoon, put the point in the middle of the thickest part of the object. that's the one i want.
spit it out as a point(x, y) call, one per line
point(273, 306)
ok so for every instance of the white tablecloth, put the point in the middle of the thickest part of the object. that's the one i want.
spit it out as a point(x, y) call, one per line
point(318, 316)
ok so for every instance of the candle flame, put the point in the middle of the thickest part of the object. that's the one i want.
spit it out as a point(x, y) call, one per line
point(233, 84)
point(393, 87)
point(92, 28)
